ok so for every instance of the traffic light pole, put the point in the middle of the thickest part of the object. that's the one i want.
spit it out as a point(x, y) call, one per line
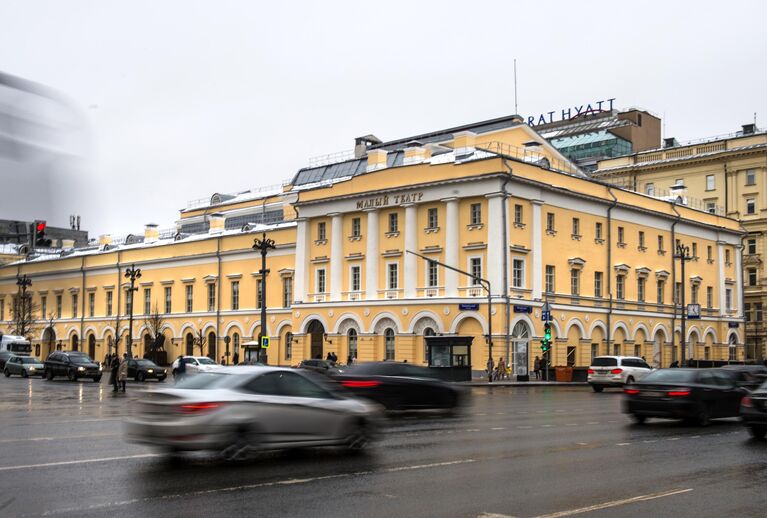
point(263, 245)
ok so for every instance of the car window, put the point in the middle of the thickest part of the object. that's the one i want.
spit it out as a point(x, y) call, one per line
point(724, 379)
point(629, 362)
point(206, 361)
point(286, 384)
point(190, 361)
point(670, 376)
point(707, 378)
point(604, 362)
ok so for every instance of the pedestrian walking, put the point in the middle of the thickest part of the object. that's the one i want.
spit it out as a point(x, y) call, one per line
point(499, 370)
point(537, 368)
point(490, 365)
point(181, 369)
point(113, 368)
point(223, 361)
point(236, 358)
point(122, 372)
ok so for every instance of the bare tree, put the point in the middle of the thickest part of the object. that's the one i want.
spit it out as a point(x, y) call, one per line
point(154, 323)
point(23, 309)
point(200, 341)
point(50, 335)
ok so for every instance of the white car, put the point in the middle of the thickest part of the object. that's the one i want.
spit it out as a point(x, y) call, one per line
point(195, 364)
point(616, 371)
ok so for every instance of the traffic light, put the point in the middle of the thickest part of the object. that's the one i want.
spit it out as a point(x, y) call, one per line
point(40, 239)
point(546, 341)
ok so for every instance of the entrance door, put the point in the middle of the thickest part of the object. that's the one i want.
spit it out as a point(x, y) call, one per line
point(317, 332)
point(92, 346)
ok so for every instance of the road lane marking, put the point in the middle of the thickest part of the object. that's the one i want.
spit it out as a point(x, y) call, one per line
point(36, 439)
point(571, 424)
point(593, 422)
point(498, 428)
point(623, 444)
point(80, 461)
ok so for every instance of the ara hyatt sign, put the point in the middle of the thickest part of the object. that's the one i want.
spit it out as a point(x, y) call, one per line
point(584, 110)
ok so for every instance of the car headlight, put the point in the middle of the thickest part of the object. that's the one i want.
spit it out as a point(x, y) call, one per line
point(81, 368)
point(32, 369)
point(150, 371)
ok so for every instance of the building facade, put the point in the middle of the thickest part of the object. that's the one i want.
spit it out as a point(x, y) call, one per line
point(360, 240)
point(724, 175)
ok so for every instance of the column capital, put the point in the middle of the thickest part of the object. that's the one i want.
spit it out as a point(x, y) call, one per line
point(333, 214)
point(407, 205)
point(302, 219)
point(537, 202)
point(371, 209)
point(495, 195)
point(449, 199)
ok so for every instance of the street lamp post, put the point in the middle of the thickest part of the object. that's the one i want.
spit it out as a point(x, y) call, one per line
point(683, 254)
point(263, 245)
point(23, 283)
point(131, 273)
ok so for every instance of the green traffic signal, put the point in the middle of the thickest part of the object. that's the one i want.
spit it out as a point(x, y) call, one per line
point(547, 332)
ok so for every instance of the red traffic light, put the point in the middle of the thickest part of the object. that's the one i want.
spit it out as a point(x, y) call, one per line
point(40, 226)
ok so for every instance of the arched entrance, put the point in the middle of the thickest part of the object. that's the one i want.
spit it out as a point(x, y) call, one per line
point(92, 346)
point(189, 342)
point(316, 331)
point(49, 339)
point(732, 347)
point(520, 340)
point(75, 343)
point(212, 346)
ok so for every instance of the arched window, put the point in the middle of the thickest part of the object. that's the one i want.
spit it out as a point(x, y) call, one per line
point(288, 345)
point(733, 343)
point(389, 343)
point(212, 346)
point(75, 343)
point(352, 344)
point(189, 344)
point(236, 342)
point(520, 337)
point(427, 332)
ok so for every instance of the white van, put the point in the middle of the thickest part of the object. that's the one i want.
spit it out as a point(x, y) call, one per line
point(18, 345)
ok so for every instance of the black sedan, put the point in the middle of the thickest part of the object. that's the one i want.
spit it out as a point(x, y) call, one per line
point(695, 395)
point(753, 412)
point(399, 386)
point(327, 367)
point(142, 370)
point(747, 376)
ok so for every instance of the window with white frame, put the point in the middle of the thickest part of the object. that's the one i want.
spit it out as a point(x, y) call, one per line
point(649, 189)
point(752, 276)
point(58, 306)
point(189, 297)
point(235, 295)
point(694, 294)
point(518, 273)
point(576, 227)
point(620, 286)
point(598, 231)
point(660, 286)
point(550, 277)
point(43, 307)
point(641, 283)
point(389, 343)
point(211, 296)
point(288, 346)
point(518, 213)
point(392, 276)
point(287, 291)
point(147, 301)
point(352, 338)
point(711, 206)
point(432, 218)
point(750, 205)
point(660, 244)
point(709, 253)
point(751, 246)
point(751, 177)
point(550, 222)
point(432, 274)
point(728, 299)
point(598, 284)
point(354, 278)
point(642, 245)
point(168, 300)
point(621, 236)
point(321, 231)
point(677, 293)
point(393, 222)
point(356, 227)
point(710, 297)
point(710, 182)
point(320, 275)
point(91, 304)
point(476, 213)
point(575, 281)
point(259, 291)
point(475, 269)
point(74, 305)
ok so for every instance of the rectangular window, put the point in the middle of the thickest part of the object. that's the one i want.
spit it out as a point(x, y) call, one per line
point(356, 227)
point(518, 273)
point(747, 312)
point(74, 305)
point(147, 301)
point(128, 302)
point(709, 253)
point(235, 295)
point(710, 182)
point(727, 256)
point(212, 296)
point(751, 246)
point(751, 276)
point(598, 231)
point(189, 298)
point(576, 227)
point(661, 286)
point(710, 297)
point(475, 269)
point(476, 213)
point(621, 236)
point(109, 303)
point(321, 231)
point(355, 282)
point(287, 292)
point(751, 177)
point(641, 240)
point(649, 189)
point(433, 219)
point(660, 244)
point(518, 215)
point(433, 274)
point(58, 306)
point(91, 304)
point(575, 282)
point(728, 299)
point(694, 294)
point(43, 307)
point(550, 222)
point(695, 250)
point(758, 311)
point(168, 300)
point(259, 292)
point(393, 222)
point(392, 276)
point(641, 282)
point(598, 284)
point(751, 206)
point(711, 207)
point(2, 310)
point(550, 272)
point(678, 293)
point(321, 281)
point(620, 284)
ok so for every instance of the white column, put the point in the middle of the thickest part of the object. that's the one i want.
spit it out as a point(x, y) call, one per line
point(737, 295)
point(720, 284)
point(495, 242)
point(299, 276)
point(371, 256)
point(452, 246)
point(336, 255)
point(537, 251)
point(411, 243)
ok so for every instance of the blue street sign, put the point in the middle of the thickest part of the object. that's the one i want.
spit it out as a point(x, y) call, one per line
point(523, 309)
point(733, 325)
point(468, 307)
point(264, 342)
point(546, 316)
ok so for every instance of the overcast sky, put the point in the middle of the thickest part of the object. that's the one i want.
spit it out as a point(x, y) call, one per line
point(181, 99)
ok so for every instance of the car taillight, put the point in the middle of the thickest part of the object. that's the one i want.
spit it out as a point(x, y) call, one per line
point(746, 401)
point(360, 383)
point(616, 371)
point(678, 393)
point(632, 392)
point(591, 371)
point(196, 408)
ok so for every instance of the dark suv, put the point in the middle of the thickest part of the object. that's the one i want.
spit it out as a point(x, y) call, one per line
point(73, 365)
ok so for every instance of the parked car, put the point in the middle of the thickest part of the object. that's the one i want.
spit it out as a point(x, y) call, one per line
point(696, 395)
point(616, 371)
point(195, 364)
point(753, 412)
point(748, 376)
point(400, 386)
point(73, 365)
point(23, 366)
point(326, 367)
point(142, 370)
point(233, 410)
point(4, 355)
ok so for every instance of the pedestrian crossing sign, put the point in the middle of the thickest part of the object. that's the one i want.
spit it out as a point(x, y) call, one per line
point(264, 342)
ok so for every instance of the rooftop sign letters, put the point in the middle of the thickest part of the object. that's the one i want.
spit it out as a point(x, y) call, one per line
point(584, 110)
point(384, 201)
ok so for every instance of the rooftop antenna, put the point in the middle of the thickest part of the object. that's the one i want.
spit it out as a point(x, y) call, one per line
point(516, 111)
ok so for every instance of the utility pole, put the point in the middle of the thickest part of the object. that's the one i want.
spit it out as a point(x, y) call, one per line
point(263, 245)
point(131, 273)
point(683, 254)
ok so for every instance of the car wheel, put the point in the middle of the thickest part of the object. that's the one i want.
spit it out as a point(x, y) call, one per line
point(757, 432)
point(359, 438)
point(240, 447)
point(71, 375)
point(49, 375)
point(638, 419)
point(703, 418)
point(141, 377)
point(7, 373)
point(597, 388)
point(24, 373)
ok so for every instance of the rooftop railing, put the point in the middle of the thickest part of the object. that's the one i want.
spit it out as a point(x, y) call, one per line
point(531, 156)
point(252, 193)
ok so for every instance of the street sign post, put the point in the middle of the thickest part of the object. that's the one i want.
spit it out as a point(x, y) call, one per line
point(546, 316)
point(264, 342)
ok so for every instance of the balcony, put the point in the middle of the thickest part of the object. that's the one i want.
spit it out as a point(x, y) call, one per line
point(318, 297)
point(471, 291)
point(432, 291)
point(353, 295)
point(390, 294)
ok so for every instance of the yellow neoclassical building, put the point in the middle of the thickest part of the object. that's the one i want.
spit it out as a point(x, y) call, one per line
point(360, 239)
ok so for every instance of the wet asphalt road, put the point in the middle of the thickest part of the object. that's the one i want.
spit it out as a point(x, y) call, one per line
point(522, 452)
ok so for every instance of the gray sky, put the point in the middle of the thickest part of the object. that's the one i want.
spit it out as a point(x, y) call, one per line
point(180, 99)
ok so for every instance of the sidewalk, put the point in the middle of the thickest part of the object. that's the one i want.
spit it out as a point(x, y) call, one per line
point(505, 383)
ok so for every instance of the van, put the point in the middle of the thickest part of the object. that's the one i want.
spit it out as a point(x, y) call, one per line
point(616, 371)
point(18, 345)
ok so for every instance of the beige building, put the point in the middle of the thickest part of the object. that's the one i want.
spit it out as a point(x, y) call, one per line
point(724, 175)
point(494, 200)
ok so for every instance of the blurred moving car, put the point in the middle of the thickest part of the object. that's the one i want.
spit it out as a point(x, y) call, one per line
point(4, 355)
point(73, 365)
point(237, 409)
point(327, 367)
point(695, 395)
point(400, 386)
point(195, 364)
point(24, 366)
point(753, 412)
point(748, 376)
point(142, 370)
point(616, 371)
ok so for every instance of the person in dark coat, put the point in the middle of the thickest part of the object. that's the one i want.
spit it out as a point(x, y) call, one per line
point(236, 358)
point(181, 369)
point(115, 365)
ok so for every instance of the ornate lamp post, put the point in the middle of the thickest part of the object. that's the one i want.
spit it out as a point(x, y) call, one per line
point(683, 254)
point(131, 273)
point(264, 245)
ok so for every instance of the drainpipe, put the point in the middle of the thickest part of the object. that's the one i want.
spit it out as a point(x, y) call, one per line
point(609, 271)
point(726, 192)
point(119, 301)
point(504, 222)
point(673, 278)
point(742, 310)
